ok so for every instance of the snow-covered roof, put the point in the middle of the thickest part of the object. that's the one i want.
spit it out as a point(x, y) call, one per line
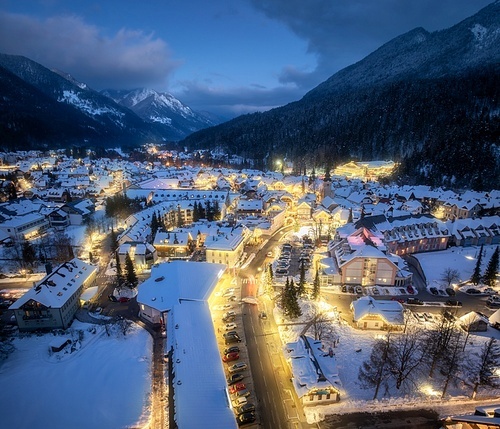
point(201, 398)
point(179, 280)
point(391, 311)
point(57, 287)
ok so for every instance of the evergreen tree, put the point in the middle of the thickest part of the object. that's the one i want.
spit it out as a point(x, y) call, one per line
point(154, 226)
point(294, 310)
point(268, 279)
point(29, 253)
point(349, 219)
point(284, 297)
point(196, 212)
point(216, 211)
point(208, 211)
point(179, 216)
point(316, 287)
point(112, 240)
point(492, 269)
point(119, 272)
point(130, 274)
point(476, 275)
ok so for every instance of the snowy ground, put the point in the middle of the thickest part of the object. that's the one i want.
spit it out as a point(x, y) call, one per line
point(354, 347)
point(462, 259)
point(103, 382)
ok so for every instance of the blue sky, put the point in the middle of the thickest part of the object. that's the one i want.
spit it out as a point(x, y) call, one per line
point(225, 56)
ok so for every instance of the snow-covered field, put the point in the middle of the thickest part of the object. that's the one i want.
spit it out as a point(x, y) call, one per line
point(98, 381)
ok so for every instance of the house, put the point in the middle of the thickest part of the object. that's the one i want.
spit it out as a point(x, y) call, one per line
point(473, 322)
point(314, 372)
point(53, 301)
point(25, 226)
point(143, 255)
point(368, 313)
point(174, 244)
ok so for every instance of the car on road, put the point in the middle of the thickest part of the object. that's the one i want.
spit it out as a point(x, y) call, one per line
point(414, 301)
point(246, 418)
point(450, 291)
point(231, 350)
point(238, 367)
point(269, 254)
point(235, 378)
point(230, 326)
point(237, 387)
point(248, 407)
point(229, 357)
point(453, 303)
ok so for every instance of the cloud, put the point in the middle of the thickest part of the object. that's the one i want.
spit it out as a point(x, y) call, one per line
point(233, 101)
point(342, 32)
point(127, 59)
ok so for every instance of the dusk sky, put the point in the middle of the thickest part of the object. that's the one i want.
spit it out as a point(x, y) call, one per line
point(225, 56)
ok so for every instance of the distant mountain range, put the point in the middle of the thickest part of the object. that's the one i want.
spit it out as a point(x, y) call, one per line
point(427, 100)
point(45, 108)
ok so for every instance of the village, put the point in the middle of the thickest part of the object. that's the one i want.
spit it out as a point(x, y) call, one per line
point(332, 265)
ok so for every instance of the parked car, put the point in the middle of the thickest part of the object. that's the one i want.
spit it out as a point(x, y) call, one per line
point(237, 387)
point(281, 272)
point(239, 401)
point(343, 288)
point(248, 407)
point(230, 326)
point(227, 319)
point(235, 378)
point(420, 317)
point(238, 367)
point(410, 289)
point(359, 290)
point(231, 334)
point(414, 301)
point(231, 350)
point(232, 339)
point(231, 357)
point(453, 303)
point(429, 317)
point(450, 291)
point(123, 299)
point(112, 298)
point(244, 393)
point(434, 291)
point(246, 418)
point(375, 291)
point(473, 291)
point(263, 315)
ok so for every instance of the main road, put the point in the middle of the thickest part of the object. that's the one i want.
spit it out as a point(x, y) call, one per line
point(277, 403)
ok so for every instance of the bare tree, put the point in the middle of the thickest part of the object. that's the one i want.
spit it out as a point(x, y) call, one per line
point(452, 360)
point(406, 355)
point(482, 367)
point(321, 326)
point(376, 371)
point(449, 276)
point(437, 342)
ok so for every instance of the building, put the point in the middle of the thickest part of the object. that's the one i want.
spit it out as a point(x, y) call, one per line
point(143, 255)
point(53, 301)
point(25, 227)
point(227, 245)
point(369, 313)
point(177, 296)
point(314, 369)
point(174, 244)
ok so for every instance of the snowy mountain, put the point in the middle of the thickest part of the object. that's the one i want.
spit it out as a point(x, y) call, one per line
point(429, 101)
point(162, 109)
point(41, 107)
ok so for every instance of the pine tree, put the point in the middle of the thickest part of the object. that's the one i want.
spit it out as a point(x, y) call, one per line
point(154, 226)
point(130, 274)
point(29, 253)
point(492, 269)
point(476, 275)
point(216, 211)
point(349, 219)
point(268, 279)
point(284, 297)
point(294, 310)
point(112, 240)
point(119, 272)
point(316, 287)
